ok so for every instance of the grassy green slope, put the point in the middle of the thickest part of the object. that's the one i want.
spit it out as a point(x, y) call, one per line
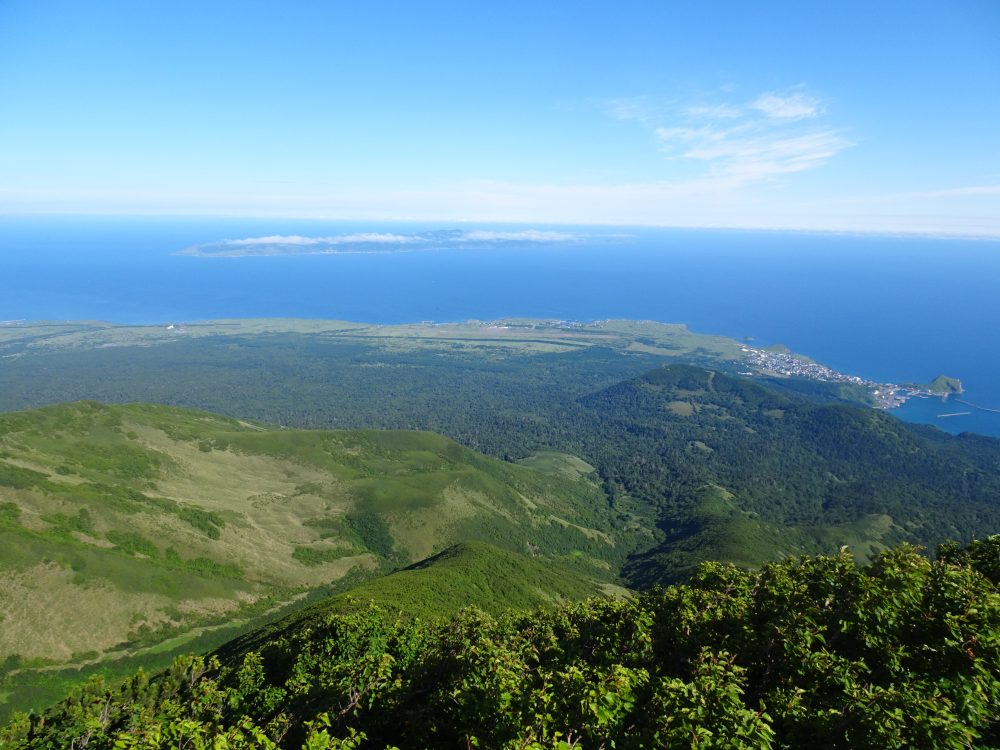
point(124, 526)
point(478, 574)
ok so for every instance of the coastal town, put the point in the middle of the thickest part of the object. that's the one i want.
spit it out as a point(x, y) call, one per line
point(771, 361)
point(885, 395)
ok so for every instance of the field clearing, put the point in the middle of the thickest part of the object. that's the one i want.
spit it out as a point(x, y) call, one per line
point(415, 529)
point(681, 408)
point(509, 336)
point(65, 618)
point(564, 465)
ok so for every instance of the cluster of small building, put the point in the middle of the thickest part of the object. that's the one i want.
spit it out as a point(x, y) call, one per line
point(886, 395)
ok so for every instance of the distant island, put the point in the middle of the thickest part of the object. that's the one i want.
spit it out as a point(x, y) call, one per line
point(379, 242)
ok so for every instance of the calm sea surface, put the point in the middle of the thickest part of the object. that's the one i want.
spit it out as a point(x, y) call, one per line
point(891, 309)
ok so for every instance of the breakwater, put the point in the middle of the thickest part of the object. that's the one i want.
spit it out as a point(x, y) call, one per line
point(977, 406)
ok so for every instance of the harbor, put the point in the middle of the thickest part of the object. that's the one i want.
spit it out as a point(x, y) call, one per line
point(884, 395)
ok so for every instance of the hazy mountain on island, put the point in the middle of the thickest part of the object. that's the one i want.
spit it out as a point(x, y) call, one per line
point(383, 242)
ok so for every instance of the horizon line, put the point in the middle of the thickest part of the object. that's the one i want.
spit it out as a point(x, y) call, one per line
point(894, 231)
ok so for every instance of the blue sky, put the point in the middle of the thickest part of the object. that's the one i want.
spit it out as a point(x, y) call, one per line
point(847, 116)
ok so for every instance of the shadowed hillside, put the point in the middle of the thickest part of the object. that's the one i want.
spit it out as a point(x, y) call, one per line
point(743, 472)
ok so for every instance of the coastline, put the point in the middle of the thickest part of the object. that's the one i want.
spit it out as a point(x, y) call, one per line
point(778, 360)
point(773, 361)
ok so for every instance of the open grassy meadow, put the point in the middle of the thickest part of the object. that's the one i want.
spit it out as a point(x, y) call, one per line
point(132, 529)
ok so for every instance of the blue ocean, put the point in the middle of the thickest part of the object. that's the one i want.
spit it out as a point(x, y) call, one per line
point(887, 308)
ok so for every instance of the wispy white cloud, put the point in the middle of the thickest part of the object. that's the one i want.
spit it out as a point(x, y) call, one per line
point(707, 201)
point(280, 244)
point(797, 106)
point(759, 157)
point(340, 239)
point(640, 109)
point(527, 235)
point(740, 144)
point(717, 149)
point(707, 133)
point(271, 239)
point(960, 192)
point(715, 111)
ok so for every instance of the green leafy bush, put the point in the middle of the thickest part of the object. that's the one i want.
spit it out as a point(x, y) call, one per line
point(811, 651)
point(319, 555)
